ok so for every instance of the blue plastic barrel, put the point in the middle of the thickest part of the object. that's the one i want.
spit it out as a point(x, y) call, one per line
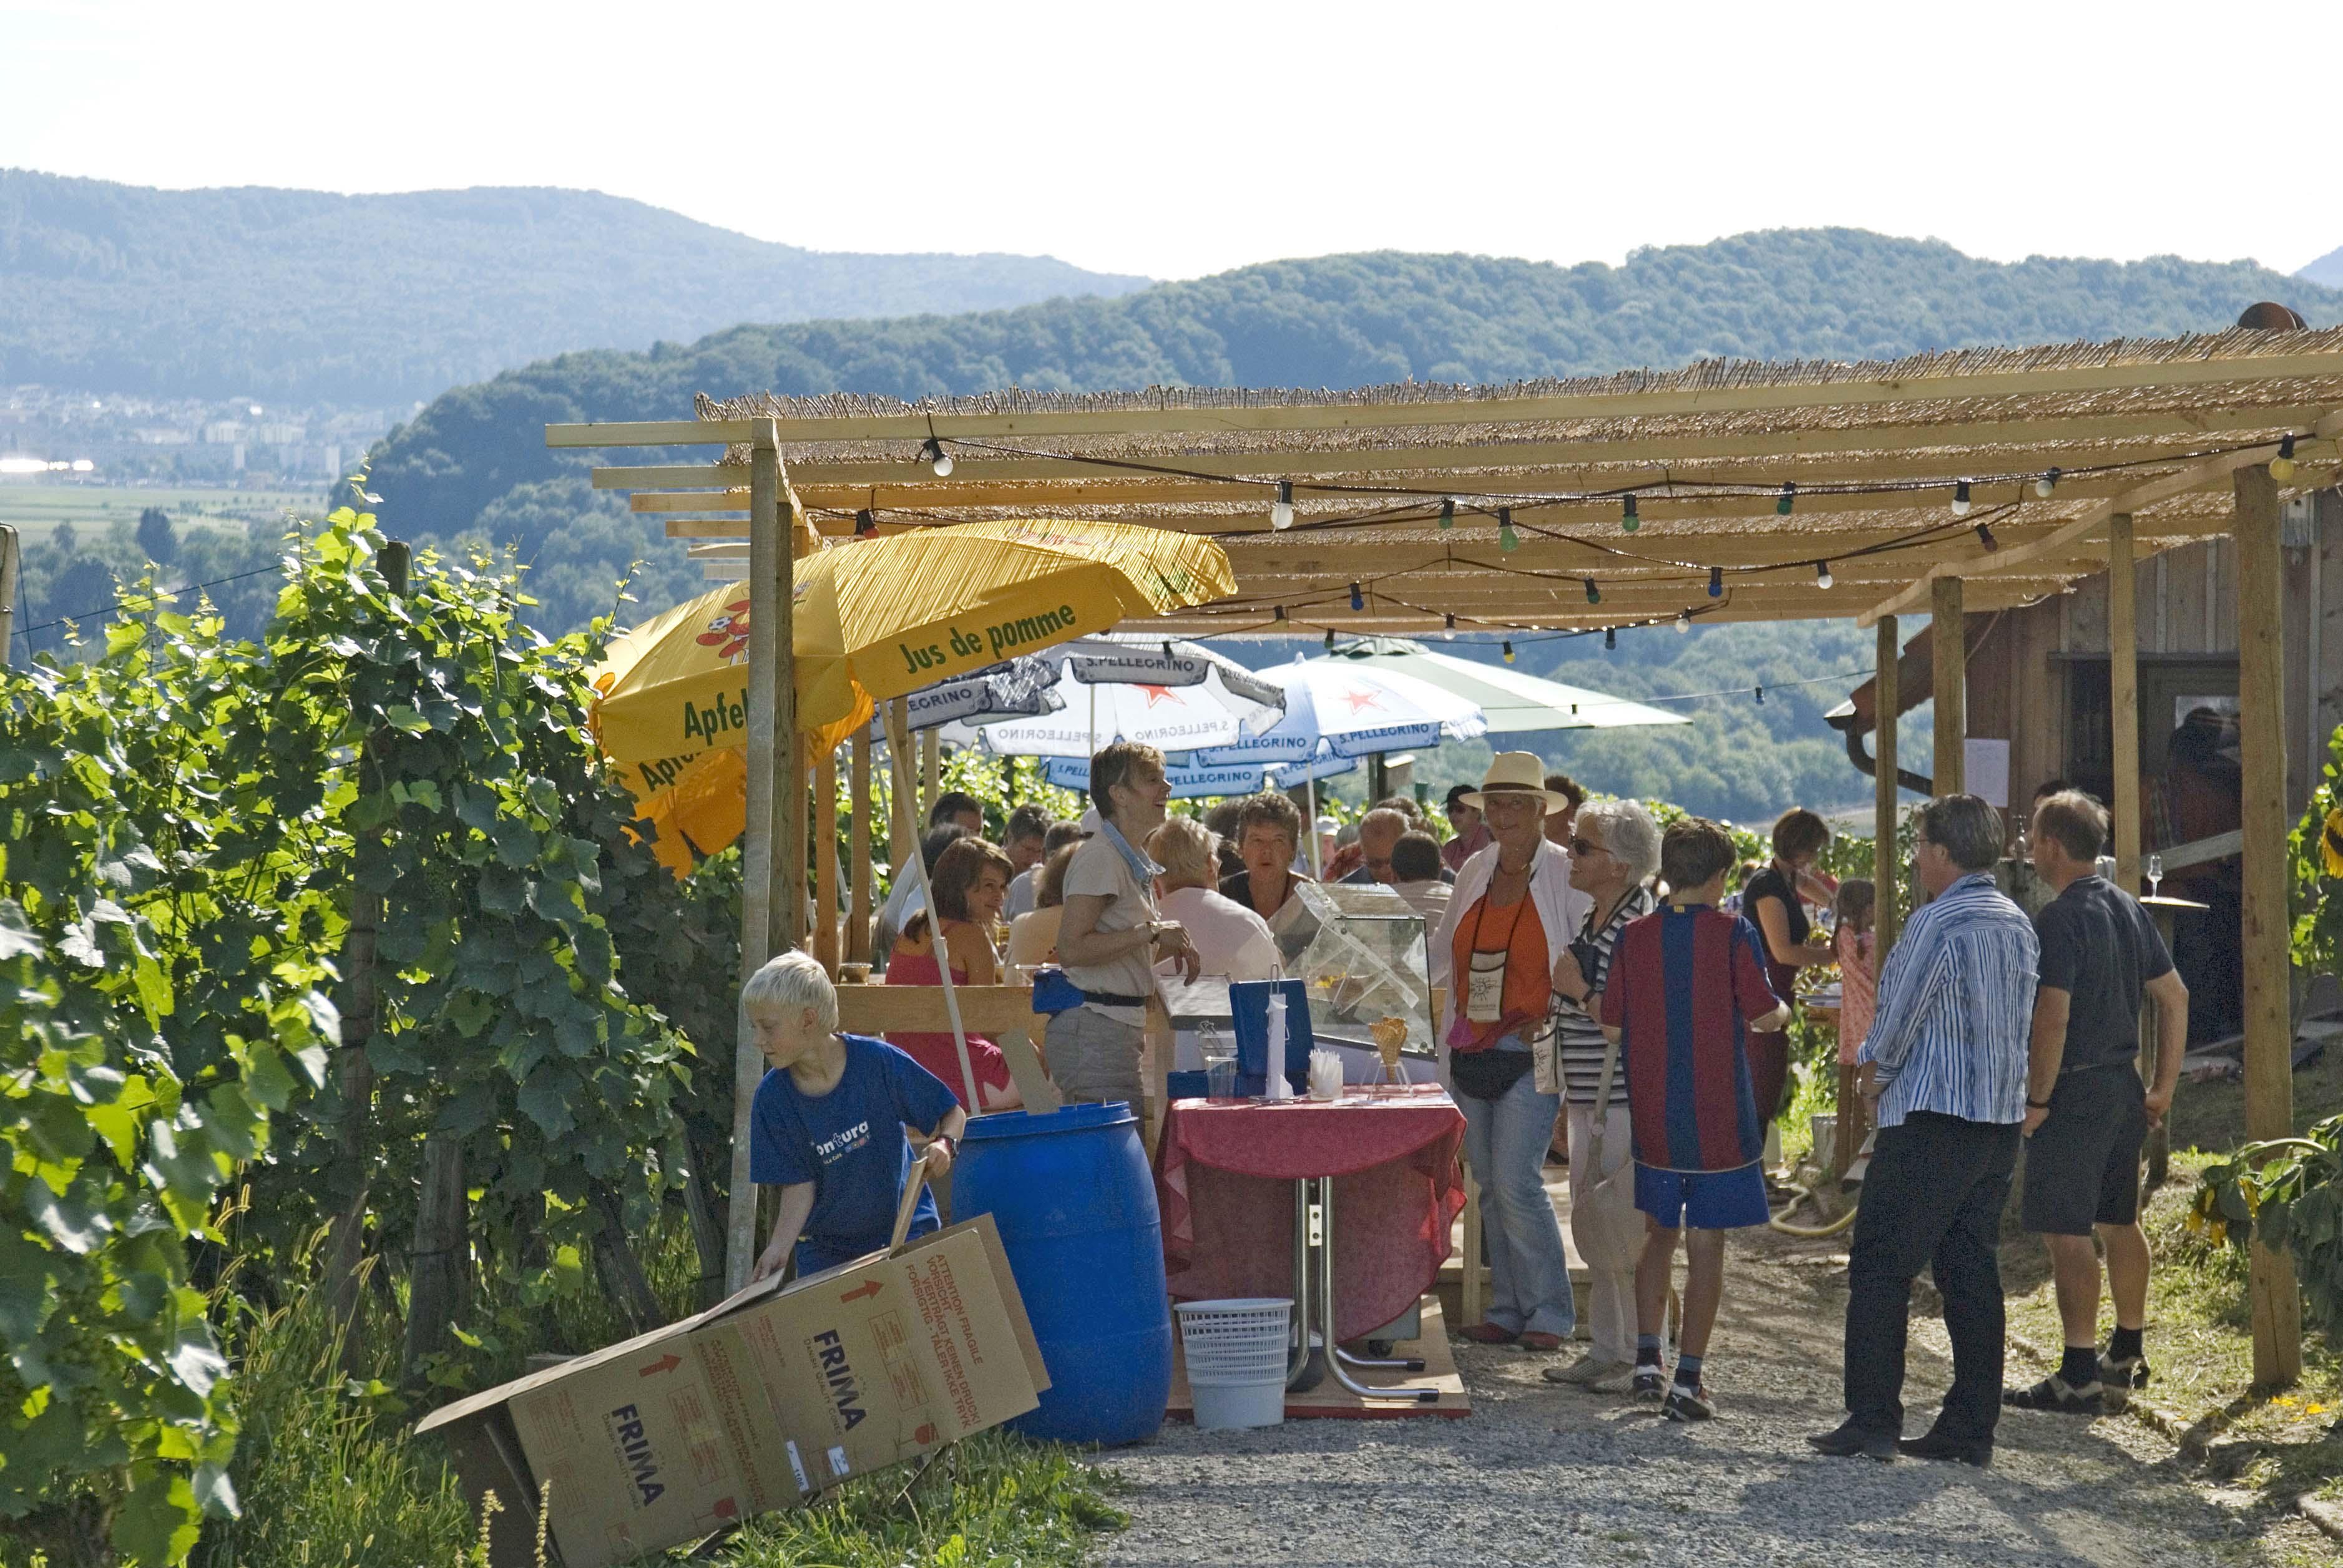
point(1075, 1204)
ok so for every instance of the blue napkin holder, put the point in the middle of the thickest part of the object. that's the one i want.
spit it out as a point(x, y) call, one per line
point(1249, 1004)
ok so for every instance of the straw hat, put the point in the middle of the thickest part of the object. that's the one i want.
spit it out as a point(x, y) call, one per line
point(1516, 773)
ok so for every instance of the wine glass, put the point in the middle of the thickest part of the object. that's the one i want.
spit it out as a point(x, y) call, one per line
point(2155, 874)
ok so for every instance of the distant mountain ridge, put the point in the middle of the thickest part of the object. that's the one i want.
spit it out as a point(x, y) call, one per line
point(310, 297)
point(2327, 270)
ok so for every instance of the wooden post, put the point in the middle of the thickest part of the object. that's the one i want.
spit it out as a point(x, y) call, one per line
point(765, 548)
point(2269, 1045)
point(825, 860)
point(11, 562)
point(355, 1070)
point(1948, 642)
point(1472, 1297)
point(857, 898)
point(439, 1260)
point(1886, 865)
point(931, 774)
point(2123, 697)
point(902, 837)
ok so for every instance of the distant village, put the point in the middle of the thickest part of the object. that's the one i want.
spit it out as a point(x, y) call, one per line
point(51, 434)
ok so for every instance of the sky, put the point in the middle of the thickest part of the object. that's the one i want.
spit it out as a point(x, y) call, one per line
point(1175, 141)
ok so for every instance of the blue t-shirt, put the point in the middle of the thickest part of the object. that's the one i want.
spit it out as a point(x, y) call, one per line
point(850, 1145)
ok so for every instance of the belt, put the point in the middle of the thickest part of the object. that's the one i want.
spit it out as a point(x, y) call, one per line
point(1108, 998)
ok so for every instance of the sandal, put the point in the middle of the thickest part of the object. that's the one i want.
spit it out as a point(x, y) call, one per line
point(1488, 1334)
point(1531, 1340)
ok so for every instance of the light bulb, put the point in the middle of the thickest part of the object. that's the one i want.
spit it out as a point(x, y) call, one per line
point(1277, 612)
point(1330, 639)
point(1961, 499)
point(1281, 510)
point(1684, 623)
point(1448, 630)
point(1447, 512)
point(1507, 540)
point(1628, 520)
point(1357, 600)
point(2046, 483)
point(1716, 582)
point(1593, 594)
point(1985, 537)
point(1823, 577)
point(1789, 499)
point(1610, 638)
point(938, 458)
point(1761, 697)
point(1509, 653)
point(2281, 468)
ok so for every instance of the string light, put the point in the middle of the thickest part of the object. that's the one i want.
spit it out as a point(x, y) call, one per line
point(2281, 466)
point(1789, 499)
point(1281, 510)
point(1330, 639)
point(2047, 482)
point(866, 523)
point(1593, 594)
point(1448, 628)
point(1985, 537)
point(1447, 513)
point(1277, 612)
point(1823, 577)
point(1628, 520)
point(1167, 649)
point(1684, 623)
point(1610, 638)
point(1509, 653)
point(1507, 540)
point(1761, 697)
point(933, 452)
point(1961, 499)
point(1716, 582)
point(1358, 599)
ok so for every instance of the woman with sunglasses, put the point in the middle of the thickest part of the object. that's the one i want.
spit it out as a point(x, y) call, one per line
point(1614, 852)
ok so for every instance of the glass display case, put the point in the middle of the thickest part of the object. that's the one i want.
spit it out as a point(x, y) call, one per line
point(1362, 950)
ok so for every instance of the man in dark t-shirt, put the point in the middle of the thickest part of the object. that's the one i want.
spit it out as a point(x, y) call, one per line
point(2086, 1113)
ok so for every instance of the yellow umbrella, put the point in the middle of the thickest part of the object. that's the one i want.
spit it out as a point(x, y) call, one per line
point(874, 620)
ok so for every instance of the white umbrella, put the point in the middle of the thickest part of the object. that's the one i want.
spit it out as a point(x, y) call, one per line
point(1512, 702)
point(1177, 697)
point(1352, 711)
point(1018, 687)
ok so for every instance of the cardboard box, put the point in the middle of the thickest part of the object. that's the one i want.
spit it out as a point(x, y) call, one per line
point(757, 1404)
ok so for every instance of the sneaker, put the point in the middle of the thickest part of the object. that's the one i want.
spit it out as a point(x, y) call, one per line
point(2118, 1378)
point(1649, 1382)
point(2056, 1394)
point(1688, 1403)
point(1589, 1371)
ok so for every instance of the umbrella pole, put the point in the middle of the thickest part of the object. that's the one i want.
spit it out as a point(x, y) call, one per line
point(1316, 867)
point(943, 957)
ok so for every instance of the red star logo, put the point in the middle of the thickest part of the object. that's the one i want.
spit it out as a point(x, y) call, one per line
point(1156, 694)
point(1361, 699)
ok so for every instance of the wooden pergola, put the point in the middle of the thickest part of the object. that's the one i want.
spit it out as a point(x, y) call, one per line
point(1957, 482)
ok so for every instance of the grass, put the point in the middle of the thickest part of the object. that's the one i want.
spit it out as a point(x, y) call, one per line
point(36, 509)
point(2278, 1442)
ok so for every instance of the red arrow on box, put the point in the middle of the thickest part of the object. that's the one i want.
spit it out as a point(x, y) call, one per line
point(666, 1362)
point(868, 1288)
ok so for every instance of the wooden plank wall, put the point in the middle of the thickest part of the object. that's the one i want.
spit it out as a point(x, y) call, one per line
point(2187, 603)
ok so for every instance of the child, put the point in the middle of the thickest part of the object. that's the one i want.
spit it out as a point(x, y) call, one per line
point(1858, 970)
point(829, 1122)
point(1686, 988)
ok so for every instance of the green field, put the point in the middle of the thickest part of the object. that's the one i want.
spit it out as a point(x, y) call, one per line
point(35, 510)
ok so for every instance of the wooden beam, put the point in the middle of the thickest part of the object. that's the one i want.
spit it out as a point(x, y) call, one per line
point(2267, 961)
point(658, 433)
point(2123, 697)
point(2133, 500)
point(2046, 439)
point(903, 836)
point(1948, 642)
point(857, 898)
point(11, 566)
point(1886, 864)
point(931, 760)
point(915, 426)
point(757, 923)
point(670, 476)
point(824, 828)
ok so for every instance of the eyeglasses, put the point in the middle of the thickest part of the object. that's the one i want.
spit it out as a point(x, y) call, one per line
point(1583, 847)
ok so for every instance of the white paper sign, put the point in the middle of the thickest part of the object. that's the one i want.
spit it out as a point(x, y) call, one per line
point(1985, 768)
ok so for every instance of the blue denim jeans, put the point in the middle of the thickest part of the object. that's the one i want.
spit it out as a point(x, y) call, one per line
point(1506, 1139)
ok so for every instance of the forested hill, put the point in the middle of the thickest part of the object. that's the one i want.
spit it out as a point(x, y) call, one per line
point(374, 301)
point(1343, 321)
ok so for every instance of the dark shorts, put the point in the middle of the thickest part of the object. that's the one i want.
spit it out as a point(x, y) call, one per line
point(2082, 1165)
point(1702, 1199)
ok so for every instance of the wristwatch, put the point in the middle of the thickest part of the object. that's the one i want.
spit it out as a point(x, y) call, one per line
point(951, 1144)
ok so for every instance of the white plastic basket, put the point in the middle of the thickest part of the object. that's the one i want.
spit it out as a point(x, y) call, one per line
point(1236, 1355)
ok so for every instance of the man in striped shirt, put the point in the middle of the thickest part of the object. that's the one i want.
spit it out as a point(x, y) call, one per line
point(1946, 1061)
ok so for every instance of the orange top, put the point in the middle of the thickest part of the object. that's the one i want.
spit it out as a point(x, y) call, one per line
point(1515, 930)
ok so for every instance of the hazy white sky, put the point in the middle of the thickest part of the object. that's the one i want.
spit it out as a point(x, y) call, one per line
point(1178, 140)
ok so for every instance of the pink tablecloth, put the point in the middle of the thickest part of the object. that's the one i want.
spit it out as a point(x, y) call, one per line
point(1224, 1177)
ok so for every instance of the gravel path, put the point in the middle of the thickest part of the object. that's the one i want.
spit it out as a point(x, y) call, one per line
point(1541, 1475)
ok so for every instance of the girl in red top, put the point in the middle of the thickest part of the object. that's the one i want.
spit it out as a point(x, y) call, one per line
point(967, 889)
